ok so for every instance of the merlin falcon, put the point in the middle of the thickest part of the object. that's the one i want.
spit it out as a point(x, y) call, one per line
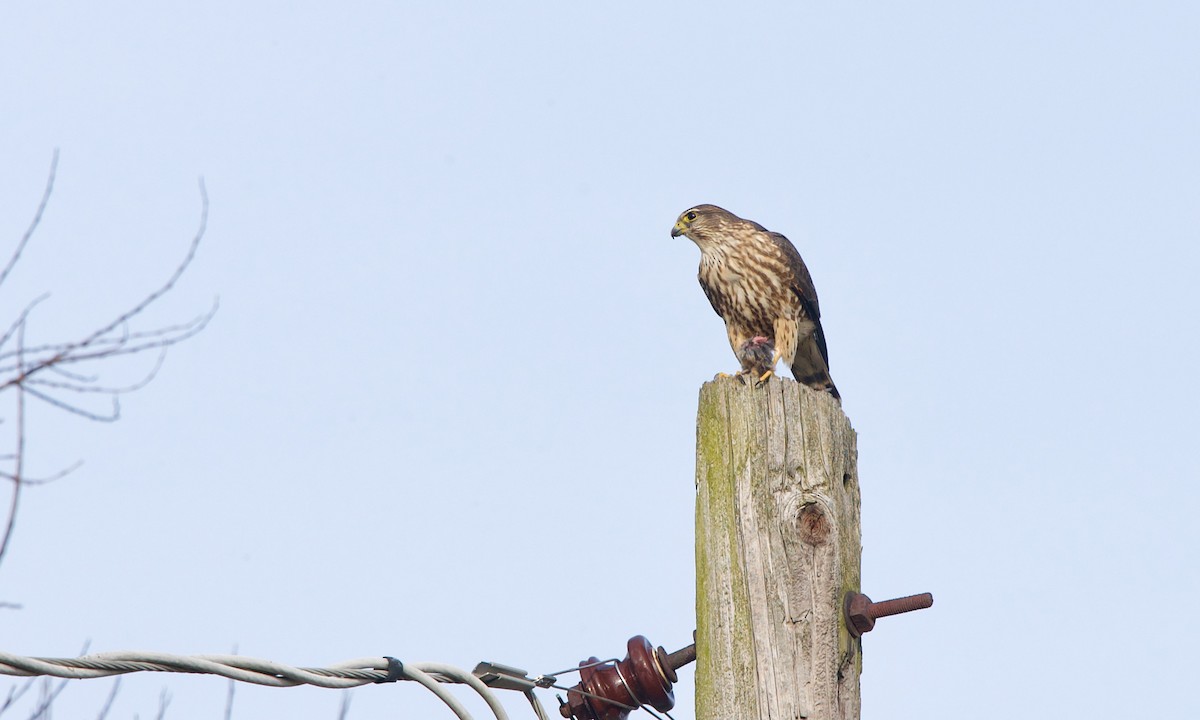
point(759, 285)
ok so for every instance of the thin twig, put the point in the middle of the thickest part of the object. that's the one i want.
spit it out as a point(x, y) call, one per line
point(44, 480)
point(79, 388)
point(37, 219)
point(112, 695)
point(59, 370)
point(14, 694)
point(61, 405)
point(19, 322)
point(102, 348)
point(164, 700)
point(48, 697)
point(19, 456)
point(191, 326)
point(170, 283)
point(229, 701)
point(229, 695)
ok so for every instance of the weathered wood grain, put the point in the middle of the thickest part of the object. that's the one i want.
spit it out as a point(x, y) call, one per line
point(778, 545)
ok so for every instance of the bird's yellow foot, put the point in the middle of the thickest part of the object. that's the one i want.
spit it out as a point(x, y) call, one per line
point(775, 358)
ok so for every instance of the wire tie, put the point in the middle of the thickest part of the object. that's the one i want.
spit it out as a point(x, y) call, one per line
point(395, 670)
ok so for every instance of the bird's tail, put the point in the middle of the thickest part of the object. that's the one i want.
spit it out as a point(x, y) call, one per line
point(819, 381)
point(809, 368)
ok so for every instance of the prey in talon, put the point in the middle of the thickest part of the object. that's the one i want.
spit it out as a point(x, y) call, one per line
point(757, 356)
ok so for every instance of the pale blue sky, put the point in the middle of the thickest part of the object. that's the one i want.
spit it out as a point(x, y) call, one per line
point(451, 387)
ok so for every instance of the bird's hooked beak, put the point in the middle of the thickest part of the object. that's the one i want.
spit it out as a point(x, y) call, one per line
point(679, 229)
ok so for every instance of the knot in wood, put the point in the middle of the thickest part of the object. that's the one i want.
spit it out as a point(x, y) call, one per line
point(813, 525)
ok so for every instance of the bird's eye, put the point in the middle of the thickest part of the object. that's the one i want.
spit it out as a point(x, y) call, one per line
point(691, 216)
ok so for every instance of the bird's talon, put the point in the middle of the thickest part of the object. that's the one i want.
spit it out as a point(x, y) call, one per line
point(765, 377)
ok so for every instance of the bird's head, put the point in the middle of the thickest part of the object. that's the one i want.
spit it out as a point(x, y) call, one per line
point(697, 220)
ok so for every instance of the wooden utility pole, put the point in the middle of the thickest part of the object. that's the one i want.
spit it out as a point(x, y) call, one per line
point(778, 546)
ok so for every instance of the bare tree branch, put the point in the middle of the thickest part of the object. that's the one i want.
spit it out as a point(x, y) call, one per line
point(40, 372)
point(70, 352)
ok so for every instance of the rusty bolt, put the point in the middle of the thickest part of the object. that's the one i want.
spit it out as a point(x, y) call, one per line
point(861, 613)
point(670, 662)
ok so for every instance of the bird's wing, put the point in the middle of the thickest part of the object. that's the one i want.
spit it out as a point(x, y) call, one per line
point(715, 298)
point(802, 285)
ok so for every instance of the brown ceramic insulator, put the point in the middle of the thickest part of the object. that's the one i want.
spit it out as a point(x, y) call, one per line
point(612, 690)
